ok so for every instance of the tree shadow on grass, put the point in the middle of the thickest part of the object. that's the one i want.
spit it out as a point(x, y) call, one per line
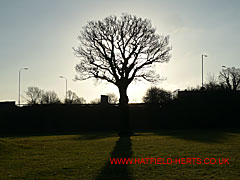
point(122, 149)
point(200, 135)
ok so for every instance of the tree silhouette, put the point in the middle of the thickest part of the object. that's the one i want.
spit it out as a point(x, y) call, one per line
point(120, 50)
point(112, 98)
point(230, 77)
point(34, 95)
point(213, 84)
point(50, 97)
point(72, 98)
point(95, 101)
point(156, 95)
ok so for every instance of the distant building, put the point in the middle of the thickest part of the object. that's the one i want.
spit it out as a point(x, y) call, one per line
point(104, 99)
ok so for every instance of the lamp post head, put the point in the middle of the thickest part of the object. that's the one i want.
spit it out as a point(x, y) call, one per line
point(223, 66)
point(63, 77)
point(23, 69)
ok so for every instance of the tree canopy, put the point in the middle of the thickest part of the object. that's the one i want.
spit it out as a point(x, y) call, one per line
point(50, 97)
point(120, 50)
point(230, 77)
point(155, 95)
point(72, 98)
point(34, 95)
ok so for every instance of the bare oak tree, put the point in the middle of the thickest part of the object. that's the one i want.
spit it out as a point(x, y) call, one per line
point(120, 50)
point(230, 77)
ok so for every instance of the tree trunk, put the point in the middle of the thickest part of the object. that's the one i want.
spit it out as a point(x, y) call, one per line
point(124, 111)
point(123, 95)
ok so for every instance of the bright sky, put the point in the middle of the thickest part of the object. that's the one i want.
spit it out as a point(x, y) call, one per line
point(40, 34)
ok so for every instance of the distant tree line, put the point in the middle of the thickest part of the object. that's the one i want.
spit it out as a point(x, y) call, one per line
point(35, 95)
point(227, 80)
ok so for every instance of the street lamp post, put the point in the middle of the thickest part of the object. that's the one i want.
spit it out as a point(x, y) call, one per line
point(19, 85)
point(66, 84)
point(203, 55)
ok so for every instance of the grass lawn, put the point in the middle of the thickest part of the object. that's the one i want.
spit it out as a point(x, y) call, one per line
point(86, 155)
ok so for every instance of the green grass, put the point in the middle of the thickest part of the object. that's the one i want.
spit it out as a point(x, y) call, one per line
point(86, 156)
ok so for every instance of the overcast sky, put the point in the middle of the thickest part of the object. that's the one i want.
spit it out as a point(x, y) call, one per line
point(40, 34)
